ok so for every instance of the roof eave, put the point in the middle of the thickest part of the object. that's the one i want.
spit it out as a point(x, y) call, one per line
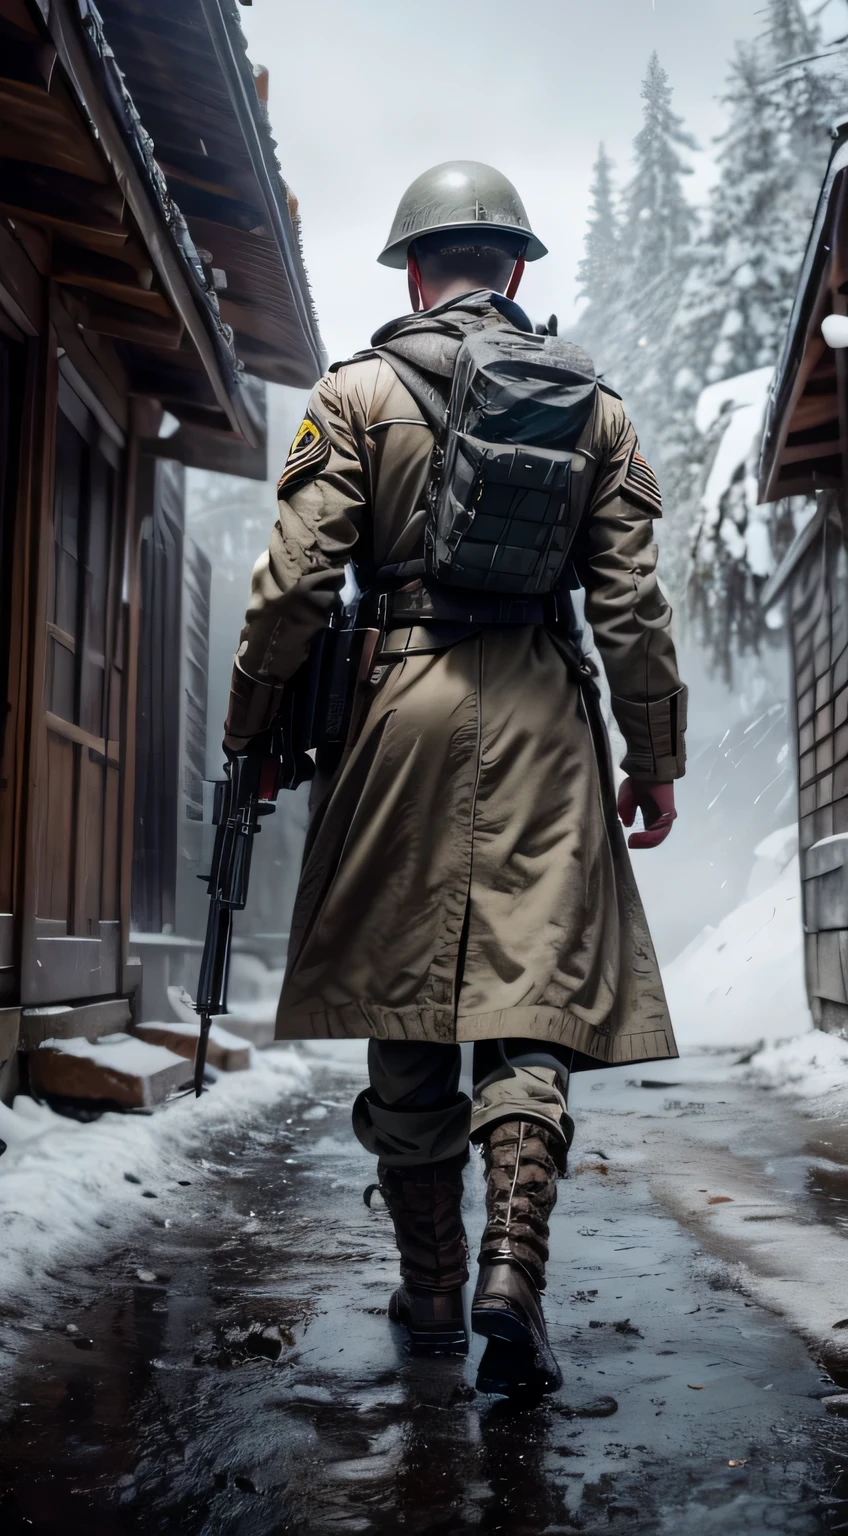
point(228, 42)
point(76, 32)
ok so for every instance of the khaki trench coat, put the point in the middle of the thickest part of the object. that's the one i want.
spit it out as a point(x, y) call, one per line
point(465, 874)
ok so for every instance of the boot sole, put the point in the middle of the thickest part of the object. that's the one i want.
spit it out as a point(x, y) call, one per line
point(512, 1364)
point(507, 1326)
point(431, 1341)
point(437, 1344)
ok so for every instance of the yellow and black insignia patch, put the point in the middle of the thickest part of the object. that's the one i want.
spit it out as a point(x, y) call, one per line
point(307, 456)
point(640, 485)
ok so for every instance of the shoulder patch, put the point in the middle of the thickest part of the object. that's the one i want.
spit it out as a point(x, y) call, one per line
point(640, 485)
point(308, 454)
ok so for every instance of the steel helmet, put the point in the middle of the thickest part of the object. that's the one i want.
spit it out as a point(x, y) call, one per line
point(458, 195)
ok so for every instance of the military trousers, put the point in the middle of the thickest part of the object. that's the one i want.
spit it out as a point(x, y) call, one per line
point(413, 1112)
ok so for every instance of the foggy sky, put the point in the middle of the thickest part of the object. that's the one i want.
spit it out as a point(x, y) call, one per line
point(365, 94)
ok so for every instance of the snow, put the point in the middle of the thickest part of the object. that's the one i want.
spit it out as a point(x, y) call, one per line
point(119, 1053)
point(813, 1066)
point(743, 401)
point(743, 983)
point(59, 1177)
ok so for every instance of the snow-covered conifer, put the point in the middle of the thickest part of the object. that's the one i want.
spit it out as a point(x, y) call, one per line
point(599, 274)
point(782, 94)
point(656, 252)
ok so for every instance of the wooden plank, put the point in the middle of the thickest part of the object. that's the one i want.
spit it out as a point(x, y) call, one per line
point(89, 846)
point(129, 1073)
point(71, 732)
point(225, 1052)
point(809, 454)
point(53, 894)
point(104, 379)
point(21, 288)
point(17, 14)
point(129, 323)
point(7, 940)
point(36, 583)
point(110, 883)
point(814, 410)
point(89, 1020)
point(63, 967)
point(10, 1029)
point(145, 418)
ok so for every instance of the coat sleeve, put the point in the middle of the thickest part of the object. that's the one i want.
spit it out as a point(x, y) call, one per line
point(321, 497)
point(616, 562)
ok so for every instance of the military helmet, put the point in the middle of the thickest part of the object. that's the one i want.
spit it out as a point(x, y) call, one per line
point(457, 195)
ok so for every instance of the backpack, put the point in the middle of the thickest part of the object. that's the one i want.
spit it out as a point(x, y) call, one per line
point(507, 487)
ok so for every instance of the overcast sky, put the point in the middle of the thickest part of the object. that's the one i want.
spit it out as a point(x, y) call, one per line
point(365, 94)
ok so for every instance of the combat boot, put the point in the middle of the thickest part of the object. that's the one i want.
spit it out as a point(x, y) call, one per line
point(521, 1173)
point(424, 1204)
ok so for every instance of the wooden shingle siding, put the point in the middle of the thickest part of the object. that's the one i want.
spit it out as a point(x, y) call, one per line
point(818, 621)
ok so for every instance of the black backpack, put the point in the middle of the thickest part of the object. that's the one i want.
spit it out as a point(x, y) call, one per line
point(508, 488)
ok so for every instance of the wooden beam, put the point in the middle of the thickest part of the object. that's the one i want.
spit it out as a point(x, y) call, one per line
point(98, 274)
point(98, 236)
point(21, 289)
point(110, 750)
point(45, 128)
point(811, 453)
point(814, 411)
point(126, 323)
point(16, 13)
point(813, 353)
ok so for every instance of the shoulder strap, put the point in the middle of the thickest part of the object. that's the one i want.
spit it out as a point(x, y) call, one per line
point(430, 402)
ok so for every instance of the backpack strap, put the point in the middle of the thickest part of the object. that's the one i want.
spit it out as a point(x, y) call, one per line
point(430, 402)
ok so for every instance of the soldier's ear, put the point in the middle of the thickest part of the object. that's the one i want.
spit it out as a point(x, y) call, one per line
point(413, 277)
point(517, 274)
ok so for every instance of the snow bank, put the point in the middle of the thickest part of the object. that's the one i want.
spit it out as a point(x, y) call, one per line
point(740, 987)
point(742, 983)
point(742, 401)
point(59, 1177)
point(810, 1067)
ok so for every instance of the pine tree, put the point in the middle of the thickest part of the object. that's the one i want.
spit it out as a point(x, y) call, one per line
point(741, 284)
point(772, 156)
point(656, 247)
point(598, 274)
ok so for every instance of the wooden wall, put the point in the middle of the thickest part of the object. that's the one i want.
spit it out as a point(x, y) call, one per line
point(818, 613)
point(67, 556)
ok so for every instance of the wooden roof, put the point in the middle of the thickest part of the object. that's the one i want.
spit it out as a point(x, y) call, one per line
point(82, 190)
point(187, 70)
point(805, 444)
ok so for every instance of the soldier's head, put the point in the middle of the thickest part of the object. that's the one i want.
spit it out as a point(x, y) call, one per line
point(449, 262)
point(459, 227)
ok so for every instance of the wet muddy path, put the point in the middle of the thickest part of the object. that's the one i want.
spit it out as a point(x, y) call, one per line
point(230, 1370)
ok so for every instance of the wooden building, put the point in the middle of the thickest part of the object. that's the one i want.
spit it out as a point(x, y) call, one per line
point(805, 452)
point(149, 261)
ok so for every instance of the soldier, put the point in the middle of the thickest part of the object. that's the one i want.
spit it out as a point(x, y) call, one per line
point(465, 875)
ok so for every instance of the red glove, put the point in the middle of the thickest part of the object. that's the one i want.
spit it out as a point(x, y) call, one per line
point(656, 802)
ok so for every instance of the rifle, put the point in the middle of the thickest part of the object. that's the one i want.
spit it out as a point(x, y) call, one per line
point(250, 789)
point(315, 711)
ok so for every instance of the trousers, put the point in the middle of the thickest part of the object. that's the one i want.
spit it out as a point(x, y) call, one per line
point(413, 1113)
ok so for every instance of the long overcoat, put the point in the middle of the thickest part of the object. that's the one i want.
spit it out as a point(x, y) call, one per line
point(465, 874)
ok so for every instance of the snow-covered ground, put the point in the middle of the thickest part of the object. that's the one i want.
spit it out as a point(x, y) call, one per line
point(60, 1177)
point(738, 990)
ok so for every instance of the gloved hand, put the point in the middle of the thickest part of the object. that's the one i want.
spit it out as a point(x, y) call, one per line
point(656, 802)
